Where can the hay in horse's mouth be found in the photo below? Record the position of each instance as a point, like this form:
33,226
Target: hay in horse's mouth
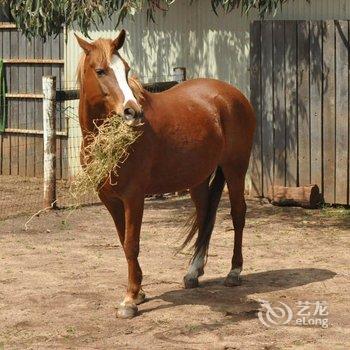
105,151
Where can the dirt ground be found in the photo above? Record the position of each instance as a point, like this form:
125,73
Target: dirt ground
24,196
61,281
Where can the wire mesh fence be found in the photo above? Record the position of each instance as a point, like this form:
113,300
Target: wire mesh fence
21,156
22,152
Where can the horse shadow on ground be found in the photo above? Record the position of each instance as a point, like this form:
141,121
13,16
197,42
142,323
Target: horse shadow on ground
234,302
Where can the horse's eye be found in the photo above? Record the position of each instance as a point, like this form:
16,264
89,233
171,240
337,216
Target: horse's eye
100,72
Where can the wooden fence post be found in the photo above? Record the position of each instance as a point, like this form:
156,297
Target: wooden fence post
49,129
179,74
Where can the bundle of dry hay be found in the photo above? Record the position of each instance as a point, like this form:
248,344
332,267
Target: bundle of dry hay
106,150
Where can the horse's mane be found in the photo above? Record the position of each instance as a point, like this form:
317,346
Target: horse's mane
104,46
136,88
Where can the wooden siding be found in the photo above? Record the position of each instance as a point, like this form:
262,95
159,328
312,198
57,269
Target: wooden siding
300,91
21,151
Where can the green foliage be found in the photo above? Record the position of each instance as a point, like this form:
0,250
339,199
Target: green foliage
46,17
264,7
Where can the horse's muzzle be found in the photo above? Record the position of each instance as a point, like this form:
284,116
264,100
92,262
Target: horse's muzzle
132,118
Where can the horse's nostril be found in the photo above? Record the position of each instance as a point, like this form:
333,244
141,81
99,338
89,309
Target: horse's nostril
129,112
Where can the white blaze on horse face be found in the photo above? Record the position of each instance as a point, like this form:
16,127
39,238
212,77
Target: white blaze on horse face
119,70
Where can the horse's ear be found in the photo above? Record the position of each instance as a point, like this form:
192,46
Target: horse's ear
86,46
119,41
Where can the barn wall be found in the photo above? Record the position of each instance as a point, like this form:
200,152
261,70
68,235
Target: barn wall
187,36
300,92
194,37
25,62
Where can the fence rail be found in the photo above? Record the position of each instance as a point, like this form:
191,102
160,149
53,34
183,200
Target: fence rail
68,95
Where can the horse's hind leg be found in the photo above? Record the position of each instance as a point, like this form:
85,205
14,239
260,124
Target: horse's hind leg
235,183
200,197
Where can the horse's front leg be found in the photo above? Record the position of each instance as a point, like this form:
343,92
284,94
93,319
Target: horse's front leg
133,219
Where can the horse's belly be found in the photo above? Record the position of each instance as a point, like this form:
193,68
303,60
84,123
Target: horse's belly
173,180
184,163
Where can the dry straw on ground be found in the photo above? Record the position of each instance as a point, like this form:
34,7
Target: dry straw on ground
104,154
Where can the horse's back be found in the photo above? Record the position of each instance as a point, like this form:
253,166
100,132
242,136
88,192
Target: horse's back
205,87
216,95
204,103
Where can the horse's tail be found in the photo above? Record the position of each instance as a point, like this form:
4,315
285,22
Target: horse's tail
202,242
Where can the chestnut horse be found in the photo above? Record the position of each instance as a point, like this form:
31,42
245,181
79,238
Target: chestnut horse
195,129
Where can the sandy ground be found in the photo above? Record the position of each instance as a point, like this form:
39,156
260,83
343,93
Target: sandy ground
61,280
24,196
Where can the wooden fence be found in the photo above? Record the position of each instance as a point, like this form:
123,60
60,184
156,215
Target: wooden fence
21,145
300,90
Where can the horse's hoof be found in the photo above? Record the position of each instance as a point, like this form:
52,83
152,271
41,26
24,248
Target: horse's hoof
190,282
233,280
127,311
141,297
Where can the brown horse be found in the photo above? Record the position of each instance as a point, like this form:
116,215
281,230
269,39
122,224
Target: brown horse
189,132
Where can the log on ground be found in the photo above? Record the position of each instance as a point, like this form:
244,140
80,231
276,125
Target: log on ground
303,196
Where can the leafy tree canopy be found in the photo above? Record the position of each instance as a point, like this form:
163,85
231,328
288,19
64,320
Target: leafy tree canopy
46,17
